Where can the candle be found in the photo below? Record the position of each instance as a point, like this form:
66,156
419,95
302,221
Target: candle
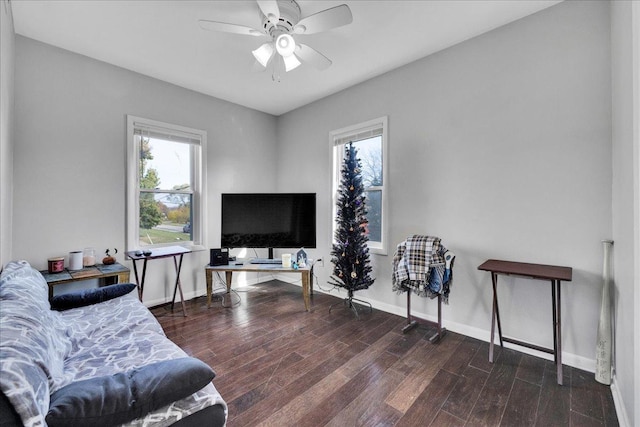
75,260
286,260
88,257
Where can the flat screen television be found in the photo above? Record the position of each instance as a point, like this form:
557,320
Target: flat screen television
268,220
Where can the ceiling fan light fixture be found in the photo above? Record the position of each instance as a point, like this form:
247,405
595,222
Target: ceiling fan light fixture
263,54
291,62
285,45
281,19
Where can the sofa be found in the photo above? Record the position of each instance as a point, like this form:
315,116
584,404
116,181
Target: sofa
94,358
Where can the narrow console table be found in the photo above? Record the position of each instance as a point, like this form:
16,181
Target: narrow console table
176,252
552,273
246,267
118,273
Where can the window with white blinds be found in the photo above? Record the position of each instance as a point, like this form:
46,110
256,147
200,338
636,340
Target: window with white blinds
166,176
370,140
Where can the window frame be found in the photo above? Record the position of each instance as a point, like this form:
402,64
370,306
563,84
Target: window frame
362,131
198,156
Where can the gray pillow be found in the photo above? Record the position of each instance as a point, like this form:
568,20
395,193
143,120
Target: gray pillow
119,398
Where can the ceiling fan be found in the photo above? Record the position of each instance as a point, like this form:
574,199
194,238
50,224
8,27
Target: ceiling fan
281,19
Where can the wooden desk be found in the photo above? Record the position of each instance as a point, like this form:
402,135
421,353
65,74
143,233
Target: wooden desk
555,275
100,271
177,252
246,267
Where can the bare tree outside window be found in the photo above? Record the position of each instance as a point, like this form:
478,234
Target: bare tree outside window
370,154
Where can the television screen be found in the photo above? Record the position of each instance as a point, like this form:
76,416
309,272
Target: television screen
268,220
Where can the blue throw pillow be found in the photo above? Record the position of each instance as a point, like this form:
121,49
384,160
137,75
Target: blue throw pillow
120,398
8,415
90,296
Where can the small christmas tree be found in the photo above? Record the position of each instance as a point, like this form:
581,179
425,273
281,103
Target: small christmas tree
350,254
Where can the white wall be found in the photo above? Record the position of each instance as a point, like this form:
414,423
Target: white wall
7,52
626,195
501,146
69,162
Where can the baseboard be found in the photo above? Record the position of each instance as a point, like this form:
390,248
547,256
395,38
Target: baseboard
470,331
623,417
569,359
477,333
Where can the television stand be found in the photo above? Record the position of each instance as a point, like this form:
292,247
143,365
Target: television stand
305,272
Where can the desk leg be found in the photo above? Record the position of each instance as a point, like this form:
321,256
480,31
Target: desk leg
144,273
554,308
178,285
311,283
135,273
208,274
557,328
495,315
305,289
228,275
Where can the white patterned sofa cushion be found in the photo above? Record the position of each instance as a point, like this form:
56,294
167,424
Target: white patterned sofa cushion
33,344
42,351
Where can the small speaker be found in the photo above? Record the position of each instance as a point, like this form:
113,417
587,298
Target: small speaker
219,257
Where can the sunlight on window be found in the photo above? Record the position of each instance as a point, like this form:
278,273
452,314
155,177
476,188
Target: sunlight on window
165,170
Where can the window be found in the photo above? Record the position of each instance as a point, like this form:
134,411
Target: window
370,139
165,184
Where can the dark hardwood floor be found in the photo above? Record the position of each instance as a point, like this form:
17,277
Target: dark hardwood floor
277,365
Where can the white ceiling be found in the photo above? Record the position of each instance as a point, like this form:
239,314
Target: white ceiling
162,39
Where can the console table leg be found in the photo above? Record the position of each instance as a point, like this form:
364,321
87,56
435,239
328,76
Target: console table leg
144,274
135,273
305,290
554,312
495,288
228,276
208,275
493,318
178,286
559,329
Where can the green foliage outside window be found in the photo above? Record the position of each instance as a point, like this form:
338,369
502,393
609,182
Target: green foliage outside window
150,210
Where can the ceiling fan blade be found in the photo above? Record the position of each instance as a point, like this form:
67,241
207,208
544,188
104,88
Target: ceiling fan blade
229,28
270,9
311,56
325,20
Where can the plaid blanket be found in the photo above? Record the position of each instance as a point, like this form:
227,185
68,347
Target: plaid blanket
419,266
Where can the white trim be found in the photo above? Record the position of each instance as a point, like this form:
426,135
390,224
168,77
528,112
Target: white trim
635,72
198,141
621,413
340,137
569,359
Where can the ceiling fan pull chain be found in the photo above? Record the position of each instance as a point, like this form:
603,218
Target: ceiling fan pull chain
278,68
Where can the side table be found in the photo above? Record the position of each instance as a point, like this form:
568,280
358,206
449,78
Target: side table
117,272
177,252
554,274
